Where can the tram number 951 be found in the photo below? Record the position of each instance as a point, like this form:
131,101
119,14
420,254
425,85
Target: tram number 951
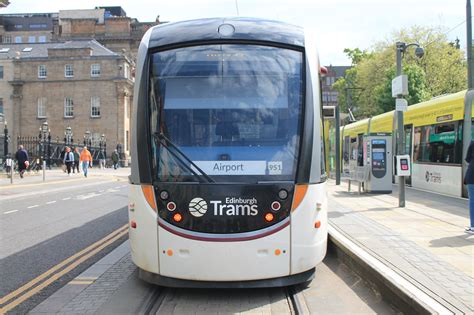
275,168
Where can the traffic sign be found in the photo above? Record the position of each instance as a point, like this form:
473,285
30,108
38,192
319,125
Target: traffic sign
400,85
401,105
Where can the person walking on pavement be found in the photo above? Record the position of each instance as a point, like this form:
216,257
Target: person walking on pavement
115,159
86,159
22,158
76,160
469,181
68,160
101,159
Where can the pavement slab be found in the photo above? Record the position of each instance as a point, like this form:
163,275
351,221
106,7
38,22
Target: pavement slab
425,240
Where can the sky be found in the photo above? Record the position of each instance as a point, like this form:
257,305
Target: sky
336,24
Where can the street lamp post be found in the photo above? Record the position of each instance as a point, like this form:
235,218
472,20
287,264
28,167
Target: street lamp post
87,138
44,131
68,136
49,149
103,156
419,52
5,139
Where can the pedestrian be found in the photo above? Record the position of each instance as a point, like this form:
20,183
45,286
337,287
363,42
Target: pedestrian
102,159
115,159
76,160
22,159
469,181
86,159
68,160
8,165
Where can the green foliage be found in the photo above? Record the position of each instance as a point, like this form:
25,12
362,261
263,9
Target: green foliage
443,69
356,55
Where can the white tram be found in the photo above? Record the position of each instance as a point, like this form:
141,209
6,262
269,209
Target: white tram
228,179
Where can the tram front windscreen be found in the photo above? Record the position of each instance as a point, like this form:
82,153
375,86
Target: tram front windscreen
233,112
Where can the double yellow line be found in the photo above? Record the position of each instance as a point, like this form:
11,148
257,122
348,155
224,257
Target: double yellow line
42,281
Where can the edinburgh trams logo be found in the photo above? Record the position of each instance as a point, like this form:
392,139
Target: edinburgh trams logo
230,206
198,207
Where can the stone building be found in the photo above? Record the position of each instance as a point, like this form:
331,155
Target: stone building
108,25
26,28
79,84
330,96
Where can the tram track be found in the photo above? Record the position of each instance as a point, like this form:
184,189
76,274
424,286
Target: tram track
284,300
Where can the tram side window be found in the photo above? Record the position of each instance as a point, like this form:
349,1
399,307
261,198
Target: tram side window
437,144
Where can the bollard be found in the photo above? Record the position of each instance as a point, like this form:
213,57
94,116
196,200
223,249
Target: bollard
44,170
11,172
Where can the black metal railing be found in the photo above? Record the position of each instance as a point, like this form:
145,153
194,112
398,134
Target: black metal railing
52,151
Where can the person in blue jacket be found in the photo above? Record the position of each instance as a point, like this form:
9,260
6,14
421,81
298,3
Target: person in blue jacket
469,181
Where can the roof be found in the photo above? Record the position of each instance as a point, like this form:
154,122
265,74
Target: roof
244,29
340,71
40,50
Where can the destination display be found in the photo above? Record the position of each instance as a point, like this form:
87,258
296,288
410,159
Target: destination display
240,167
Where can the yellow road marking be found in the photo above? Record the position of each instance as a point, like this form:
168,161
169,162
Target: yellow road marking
58,266
58,275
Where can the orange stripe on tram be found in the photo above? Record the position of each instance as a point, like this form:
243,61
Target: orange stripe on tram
149,194
300,192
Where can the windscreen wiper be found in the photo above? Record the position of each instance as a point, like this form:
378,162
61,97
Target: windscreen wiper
167,143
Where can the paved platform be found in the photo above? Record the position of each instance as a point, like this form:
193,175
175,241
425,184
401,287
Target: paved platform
424,242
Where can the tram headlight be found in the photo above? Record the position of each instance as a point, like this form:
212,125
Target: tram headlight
282,194
177,217
164,195
269,217
276,206
171,206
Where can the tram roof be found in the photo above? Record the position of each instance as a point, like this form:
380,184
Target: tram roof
245,29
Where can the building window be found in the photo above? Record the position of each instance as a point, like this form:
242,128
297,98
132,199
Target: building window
68,71
7,39
31,39
18,39
18,26
42,39
1,72
95,106
68,107
42,73
41,107
1,107
95,70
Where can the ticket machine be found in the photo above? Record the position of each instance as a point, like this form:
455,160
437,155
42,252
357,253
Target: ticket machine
378,162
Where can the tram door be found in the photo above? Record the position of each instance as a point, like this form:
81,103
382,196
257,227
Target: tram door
408,148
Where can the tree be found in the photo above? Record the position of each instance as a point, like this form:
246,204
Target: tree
443,69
